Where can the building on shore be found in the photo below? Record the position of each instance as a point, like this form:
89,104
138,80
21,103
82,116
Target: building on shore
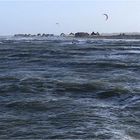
62,34
81,34
95,34
71,34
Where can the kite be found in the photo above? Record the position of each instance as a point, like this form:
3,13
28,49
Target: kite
106,16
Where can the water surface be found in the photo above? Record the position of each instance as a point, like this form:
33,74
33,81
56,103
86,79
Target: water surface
59,88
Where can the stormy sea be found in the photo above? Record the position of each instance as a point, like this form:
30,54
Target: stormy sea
69,88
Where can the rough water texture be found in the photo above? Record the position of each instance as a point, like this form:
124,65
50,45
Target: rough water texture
63,88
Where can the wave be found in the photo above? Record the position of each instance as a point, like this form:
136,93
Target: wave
50,83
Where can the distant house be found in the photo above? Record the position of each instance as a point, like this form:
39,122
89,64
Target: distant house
19,35
97,33
93,33
62,34
122,34
81,34
22,35
38,34
50,34
71,34
46,35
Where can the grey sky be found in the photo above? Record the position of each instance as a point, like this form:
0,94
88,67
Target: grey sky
34,16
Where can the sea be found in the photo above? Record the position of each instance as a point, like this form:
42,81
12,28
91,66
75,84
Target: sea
69,88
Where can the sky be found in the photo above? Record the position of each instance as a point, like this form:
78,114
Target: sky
41,16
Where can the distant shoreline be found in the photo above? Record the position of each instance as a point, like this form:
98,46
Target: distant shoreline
85,35
116,37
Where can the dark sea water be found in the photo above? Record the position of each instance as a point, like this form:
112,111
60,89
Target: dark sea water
69,89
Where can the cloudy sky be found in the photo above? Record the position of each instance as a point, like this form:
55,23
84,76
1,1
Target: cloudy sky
41,16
